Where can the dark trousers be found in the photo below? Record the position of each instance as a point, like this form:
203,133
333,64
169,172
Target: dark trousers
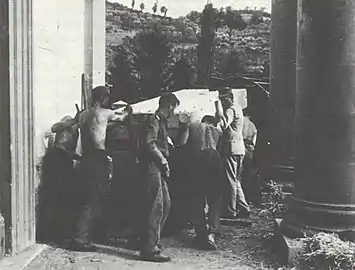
207,184
156,207
55,196
93,191
249,179
233,198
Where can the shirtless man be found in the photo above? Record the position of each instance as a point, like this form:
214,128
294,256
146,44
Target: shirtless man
94,166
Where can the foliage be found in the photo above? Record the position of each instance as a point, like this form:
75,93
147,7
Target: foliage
233,20
233,65
163,10
155,7
182,73
192,35
273,199
123,76
257,17
141,66
328,251
142,6
153,59
127,21
205,46
194,16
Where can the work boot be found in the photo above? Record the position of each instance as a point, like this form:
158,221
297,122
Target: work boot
206,243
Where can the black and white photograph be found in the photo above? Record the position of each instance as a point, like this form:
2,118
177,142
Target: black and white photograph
177,135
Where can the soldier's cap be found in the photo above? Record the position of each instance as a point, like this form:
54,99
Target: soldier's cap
101,91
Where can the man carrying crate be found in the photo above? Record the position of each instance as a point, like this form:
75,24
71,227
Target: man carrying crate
94,166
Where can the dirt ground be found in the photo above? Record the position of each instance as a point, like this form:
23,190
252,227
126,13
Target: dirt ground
239,247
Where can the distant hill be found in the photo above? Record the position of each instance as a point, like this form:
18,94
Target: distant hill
252,44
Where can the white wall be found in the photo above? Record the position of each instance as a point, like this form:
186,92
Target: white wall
58,62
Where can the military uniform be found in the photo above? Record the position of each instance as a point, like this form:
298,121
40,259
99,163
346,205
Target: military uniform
206,173
156,200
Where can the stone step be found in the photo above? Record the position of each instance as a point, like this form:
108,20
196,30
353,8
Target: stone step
288,251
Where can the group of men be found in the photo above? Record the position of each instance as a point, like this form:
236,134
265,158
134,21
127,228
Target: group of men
216,146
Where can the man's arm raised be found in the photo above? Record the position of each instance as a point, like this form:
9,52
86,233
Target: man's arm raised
120,117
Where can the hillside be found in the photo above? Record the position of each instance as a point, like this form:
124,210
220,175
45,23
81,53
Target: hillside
251,44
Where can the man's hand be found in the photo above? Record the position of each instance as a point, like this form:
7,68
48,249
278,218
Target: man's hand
218,106
166,170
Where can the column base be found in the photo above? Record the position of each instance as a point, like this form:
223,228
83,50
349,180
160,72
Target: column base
307,218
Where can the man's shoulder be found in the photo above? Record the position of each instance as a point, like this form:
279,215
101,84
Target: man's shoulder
151,120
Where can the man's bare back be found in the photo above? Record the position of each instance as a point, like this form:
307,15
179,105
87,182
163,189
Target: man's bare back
93,124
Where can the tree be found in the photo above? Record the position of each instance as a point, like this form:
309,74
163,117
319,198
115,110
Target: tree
123,76
133,4
163,10
153,58
155,7
194,16
127,20
205,47
256,17
234,21
182,73
142,6
233,65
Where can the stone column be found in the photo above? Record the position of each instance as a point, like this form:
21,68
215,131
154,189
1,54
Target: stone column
283,88
17,181
95,46
324,196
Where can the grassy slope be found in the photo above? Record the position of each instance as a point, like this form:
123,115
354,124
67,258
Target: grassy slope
252,43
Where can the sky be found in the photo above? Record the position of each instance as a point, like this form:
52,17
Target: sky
178,8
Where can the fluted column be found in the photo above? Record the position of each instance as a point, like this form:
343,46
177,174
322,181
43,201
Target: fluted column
324,196
283,87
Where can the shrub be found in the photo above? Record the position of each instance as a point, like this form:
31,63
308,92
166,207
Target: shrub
328,251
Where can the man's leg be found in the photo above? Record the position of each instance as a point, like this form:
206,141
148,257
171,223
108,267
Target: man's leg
166,203
214,202
214,190
247,175
243,206
198,216
153,216
230,166
94,188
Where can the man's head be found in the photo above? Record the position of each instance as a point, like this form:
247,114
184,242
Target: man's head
101,95
226,97
209,119
168,103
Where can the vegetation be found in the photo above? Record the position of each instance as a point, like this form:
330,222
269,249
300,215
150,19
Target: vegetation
182,73
216,42
328,251
205,50
273,199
